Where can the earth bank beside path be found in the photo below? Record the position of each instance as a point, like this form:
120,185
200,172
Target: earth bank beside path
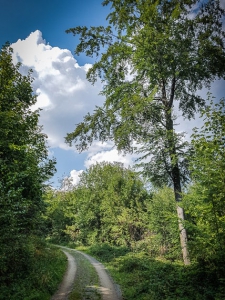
104,288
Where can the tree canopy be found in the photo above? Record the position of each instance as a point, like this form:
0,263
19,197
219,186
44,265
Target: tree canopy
151,54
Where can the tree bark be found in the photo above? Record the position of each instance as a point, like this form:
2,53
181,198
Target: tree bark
180,212
183,235
175,172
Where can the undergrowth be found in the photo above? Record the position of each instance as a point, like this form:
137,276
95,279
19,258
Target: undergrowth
41,277
144,278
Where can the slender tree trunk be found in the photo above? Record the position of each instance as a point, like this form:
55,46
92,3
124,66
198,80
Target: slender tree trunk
183,235
177,186
180,214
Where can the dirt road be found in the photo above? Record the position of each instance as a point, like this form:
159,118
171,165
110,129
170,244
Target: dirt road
66,285
107,288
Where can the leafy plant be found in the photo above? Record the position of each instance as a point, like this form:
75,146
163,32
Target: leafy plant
205,202
40,280
142,278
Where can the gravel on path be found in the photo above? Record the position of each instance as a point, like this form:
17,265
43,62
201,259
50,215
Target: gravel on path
108,289
66,286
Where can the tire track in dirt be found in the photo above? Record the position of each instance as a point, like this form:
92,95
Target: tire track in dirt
66,285
108,289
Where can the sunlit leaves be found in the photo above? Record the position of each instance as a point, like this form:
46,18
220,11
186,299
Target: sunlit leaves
205,201
108,205
150,50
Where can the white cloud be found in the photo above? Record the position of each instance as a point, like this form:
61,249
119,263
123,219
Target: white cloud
75,176
109,156
98,146
64,94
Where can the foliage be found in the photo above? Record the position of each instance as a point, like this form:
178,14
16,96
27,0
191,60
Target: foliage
58,215
142,278
107,205
151,54
24,169
111,204
105,251
205,202
162,223
46,268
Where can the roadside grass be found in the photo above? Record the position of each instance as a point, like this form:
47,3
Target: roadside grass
86,281
47,264
144,278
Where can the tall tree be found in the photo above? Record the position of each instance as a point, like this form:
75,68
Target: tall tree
24,165
151,54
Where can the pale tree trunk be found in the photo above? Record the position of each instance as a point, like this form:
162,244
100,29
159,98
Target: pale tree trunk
183,235
180,214
175,173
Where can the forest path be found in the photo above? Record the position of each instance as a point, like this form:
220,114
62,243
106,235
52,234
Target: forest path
66,286
106,289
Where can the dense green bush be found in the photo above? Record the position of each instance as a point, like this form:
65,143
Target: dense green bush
24,170
145,278
45,268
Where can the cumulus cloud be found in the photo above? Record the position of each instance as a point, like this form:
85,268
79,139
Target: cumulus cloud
65,96
109,156
101,156
75,176
63,93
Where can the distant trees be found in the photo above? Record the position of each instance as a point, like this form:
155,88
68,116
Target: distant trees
152,54
24,168
108,205
112,205
59,215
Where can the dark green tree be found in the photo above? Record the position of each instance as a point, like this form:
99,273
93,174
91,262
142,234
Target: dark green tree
24,166
59,214
151,54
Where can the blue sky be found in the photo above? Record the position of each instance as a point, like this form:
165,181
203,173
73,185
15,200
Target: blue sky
36,30
18,18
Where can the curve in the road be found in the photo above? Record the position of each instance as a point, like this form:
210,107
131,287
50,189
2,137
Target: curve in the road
66,286
107,288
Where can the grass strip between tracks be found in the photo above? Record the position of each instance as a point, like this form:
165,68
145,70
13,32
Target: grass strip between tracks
86,281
